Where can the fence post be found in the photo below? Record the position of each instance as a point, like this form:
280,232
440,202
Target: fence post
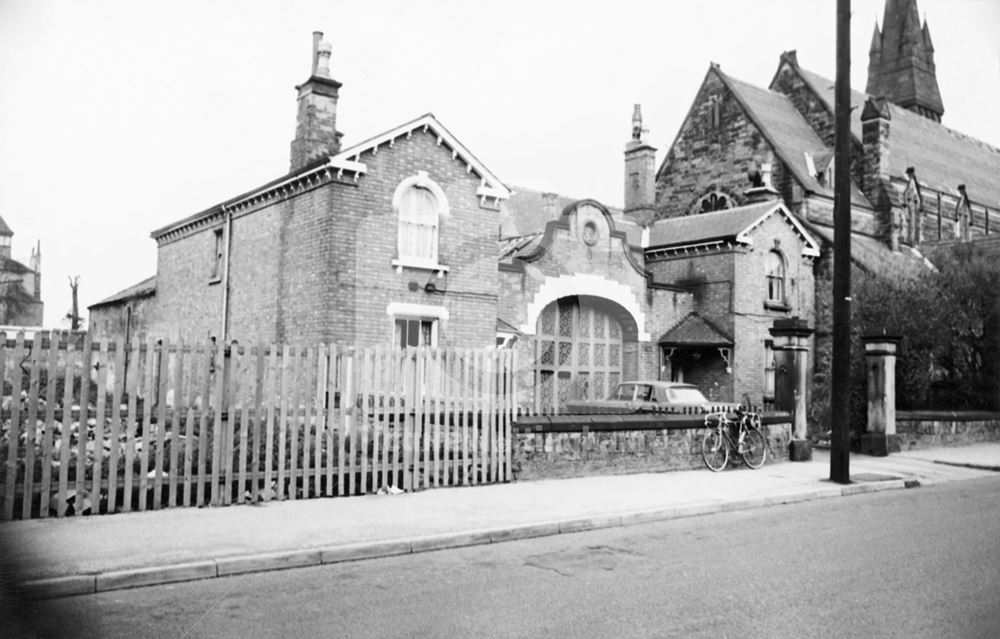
880,437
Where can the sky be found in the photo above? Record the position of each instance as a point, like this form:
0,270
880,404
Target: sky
118,117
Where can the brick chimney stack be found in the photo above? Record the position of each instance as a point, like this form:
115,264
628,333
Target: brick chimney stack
640,173
316,134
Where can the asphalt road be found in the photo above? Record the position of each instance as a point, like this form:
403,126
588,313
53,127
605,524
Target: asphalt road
915,563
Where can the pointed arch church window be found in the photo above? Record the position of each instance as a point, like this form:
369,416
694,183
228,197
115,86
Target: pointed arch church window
714,201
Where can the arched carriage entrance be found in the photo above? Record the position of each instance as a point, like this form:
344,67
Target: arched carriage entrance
580,350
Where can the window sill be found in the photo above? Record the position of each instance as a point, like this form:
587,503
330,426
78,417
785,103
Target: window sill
777,306
214,280
441,269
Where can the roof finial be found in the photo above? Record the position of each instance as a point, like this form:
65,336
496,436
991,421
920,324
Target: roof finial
637,129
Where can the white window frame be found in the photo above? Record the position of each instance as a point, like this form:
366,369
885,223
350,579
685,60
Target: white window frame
404,260
406,318
438,315
768,277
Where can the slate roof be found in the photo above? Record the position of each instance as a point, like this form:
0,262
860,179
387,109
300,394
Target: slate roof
695,330
873,256
9,265
523,213
523,218
789,133
989,245
511,247
144,288
943,158
706,227
504,326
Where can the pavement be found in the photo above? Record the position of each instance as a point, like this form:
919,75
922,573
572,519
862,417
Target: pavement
62,557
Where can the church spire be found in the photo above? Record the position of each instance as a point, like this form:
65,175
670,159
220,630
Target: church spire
901,61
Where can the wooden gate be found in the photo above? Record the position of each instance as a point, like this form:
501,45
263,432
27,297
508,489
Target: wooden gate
578,352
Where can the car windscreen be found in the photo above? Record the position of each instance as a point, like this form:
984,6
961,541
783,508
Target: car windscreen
638,392
686,396
623,391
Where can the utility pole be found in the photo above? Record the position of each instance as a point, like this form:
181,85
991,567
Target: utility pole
840,409
74,315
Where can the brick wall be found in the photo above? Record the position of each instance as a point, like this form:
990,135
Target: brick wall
110,321
752,317
567,255
467,245
317,266
189,304
730,291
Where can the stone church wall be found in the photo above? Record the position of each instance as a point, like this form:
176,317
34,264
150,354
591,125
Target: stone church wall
705,158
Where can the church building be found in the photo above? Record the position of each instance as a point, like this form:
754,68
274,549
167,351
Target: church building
20,285
408,239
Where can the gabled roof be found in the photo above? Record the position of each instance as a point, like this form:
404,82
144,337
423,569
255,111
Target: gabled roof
732,226
144,288
943,158
695,330
491,184
4,229
349,161
788,132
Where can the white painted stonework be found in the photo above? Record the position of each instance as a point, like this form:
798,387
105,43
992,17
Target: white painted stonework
554,288
402,309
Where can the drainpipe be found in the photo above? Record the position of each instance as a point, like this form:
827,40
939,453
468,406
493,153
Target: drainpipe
224,334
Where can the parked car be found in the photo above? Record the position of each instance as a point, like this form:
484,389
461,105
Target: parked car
647,396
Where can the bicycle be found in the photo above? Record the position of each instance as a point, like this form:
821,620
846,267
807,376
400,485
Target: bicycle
750,442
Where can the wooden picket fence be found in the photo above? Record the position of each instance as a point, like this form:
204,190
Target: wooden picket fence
97,427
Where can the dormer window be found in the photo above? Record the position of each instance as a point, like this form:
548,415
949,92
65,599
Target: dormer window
821,166
419,204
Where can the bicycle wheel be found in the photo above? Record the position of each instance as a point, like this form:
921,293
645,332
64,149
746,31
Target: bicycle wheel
754,449
714,450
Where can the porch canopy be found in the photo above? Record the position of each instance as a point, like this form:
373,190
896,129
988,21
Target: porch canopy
695,331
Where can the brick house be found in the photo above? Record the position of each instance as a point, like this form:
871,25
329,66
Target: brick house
406,238
390,240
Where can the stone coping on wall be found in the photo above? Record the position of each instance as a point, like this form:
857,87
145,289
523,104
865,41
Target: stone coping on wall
946,416
618,422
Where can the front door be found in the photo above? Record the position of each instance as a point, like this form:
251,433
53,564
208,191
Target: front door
578,352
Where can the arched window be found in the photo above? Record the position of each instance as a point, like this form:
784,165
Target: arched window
419,203
714,201
774,270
